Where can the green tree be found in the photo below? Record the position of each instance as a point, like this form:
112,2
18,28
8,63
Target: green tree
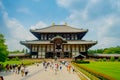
3,49
99,50
119,59
112,50
26,51
112,58
23,51
91,51
15,52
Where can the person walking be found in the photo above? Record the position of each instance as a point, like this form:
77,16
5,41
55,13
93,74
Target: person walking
7,67
18,68
69,68
26,71
73,69
46,66
22,70
60,67
55,68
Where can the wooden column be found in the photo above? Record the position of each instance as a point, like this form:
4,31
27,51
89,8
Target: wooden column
37,50
45,46
53,50
31,51
68,46
75,49
79,48
71,50
62,53
41,50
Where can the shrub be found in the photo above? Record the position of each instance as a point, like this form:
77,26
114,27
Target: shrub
7,59
112,58
82,62
104,59
1,67
119,59
15,59
99,60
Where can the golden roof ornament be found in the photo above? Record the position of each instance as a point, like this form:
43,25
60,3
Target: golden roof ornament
66,23
53,24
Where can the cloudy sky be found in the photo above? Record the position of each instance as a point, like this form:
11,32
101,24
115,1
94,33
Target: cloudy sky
101,17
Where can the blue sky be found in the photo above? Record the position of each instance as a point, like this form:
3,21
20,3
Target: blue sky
101,17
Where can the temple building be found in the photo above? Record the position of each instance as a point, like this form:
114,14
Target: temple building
62,41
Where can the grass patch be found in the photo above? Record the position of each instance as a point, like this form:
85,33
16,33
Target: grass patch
25,62
92,77
109,68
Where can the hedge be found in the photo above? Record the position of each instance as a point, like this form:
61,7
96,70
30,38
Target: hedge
95,73
82,62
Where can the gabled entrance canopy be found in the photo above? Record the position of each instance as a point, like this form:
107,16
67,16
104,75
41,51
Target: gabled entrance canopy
59,39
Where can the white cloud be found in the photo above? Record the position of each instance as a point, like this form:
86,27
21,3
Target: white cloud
39,25
99,16
36,0
108,42
64,3
16,30
116,4
24,10
17,33
104,25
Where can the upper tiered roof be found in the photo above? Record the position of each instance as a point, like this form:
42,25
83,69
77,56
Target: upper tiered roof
59,29
68,42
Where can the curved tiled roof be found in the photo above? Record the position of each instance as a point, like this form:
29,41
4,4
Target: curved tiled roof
58,29
68,42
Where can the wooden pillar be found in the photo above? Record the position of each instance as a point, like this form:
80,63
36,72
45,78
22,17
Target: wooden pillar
75,49
41,50
54,50
51,49
68,46
62,53
31,51
45,46
37,50
86,46
79,48
71,50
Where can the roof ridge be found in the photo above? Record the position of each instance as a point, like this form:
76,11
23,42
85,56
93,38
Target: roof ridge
59,28
77,28
43,28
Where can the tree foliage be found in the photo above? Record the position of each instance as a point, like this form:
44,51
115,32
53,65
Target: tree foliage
15,52
112,58
3,49
18,51
111,50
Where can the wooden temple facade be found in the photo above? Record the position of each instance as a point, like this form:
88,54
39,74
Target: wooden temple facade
62,41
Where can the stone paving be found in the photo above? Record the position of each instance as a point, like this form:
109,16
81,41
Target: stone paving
39,73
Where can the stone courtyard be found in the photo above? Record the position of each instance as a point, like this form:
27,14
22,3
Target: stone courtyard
39,73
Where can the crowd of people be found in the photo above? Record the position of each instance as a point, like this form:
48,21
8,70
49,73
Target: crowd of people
18,69
57,66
